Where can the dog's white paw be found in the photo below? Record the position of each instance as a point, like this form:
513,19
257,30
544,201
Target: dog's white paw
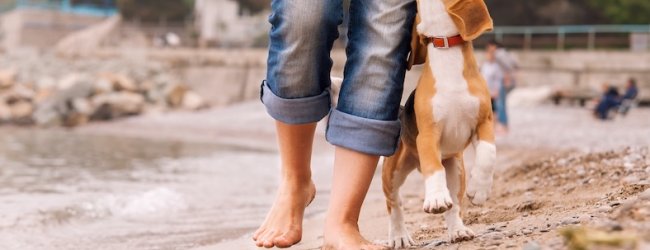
478,189
461,233
437,202
400,239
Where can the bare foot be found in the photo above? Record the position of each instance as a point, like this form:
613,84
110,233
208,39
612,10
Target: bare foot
347,237
283,224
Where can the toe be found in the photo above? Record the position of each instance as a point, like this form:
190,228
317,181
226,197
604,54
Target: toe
287,240
258,233
265,239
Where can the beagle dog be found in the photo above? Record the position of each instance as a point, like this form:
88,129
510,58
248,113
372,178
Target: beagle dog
449,110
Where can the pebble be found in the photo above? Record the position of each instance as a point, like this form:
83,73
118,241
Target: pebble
570,221
632,179
532,246
645,195
615,204
604,209
526,231
545,230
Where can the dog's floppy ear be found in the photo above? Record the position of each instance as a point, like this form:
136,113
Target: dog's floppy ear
471,17
418,53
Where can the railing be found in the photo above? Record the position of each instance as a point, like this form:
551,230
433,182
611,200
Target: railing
63,6
559,37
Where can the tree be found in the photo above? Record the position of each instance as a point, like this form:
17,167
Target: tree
254,6
624,11
156,10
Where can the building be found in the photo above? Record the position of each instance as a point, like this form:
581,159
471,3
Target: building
221,23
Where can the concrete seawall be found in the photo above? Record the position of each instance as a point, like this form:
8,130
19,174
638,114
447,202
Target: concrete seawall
231,76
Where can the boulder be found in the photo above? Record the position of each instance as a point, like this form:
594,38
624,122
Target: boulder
192,101
117,104
120,82
19,92
82,106
46,114
7,78
75,119
45,83
5,113
174,94
102,86
21,111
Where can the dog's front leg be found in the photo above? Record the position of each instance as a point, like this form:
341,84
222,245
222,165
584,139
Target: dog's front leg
480,183
437,198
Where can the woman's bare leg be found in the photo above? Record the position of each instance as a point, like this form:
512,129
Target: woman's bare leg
353,172
283,224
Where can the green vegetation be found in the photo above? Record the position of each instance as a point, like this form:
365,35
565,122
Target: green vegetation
624,11
156,10
519,12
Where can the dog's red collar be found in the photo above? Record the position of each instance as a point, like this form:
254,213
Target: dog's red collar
443,42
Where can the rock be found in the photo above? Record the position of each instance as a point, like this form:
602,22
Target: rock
102,86
118,104
174,94
75,86
5,113
47,115
632,179
18,92
42,95
82,106
532,246
21,111
45,83
570,221
192,101
75,119
604,209
645,195
120,82
7,78
526,231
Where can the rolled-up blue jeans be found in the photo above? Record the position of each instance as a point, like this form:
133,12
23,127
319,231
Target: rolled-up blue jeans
296,90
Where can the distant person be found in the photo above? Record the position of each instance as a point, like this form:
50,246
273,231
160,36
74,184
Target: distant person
610,100
499,71
631,93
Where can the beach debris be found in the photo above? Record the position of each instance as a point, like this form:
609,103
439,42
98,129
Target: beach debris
583,238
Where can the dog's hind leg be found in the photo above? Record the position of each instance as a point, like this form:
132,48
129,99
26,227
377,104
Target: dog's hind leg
455,171
395,171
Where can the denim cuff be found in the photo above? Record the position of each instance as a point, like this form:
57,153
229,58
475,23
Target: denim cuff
364,135
296,111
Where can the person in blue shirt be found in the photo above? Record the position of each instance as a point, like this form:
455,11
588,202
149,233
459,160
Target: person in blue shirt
631,93
610,100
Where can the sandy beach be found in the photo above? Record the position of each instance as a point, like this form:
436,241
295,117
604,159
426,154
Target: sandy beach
558,167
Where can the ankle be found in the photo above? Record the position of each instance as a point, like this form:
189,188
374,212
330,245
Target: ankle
341,224
299,182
